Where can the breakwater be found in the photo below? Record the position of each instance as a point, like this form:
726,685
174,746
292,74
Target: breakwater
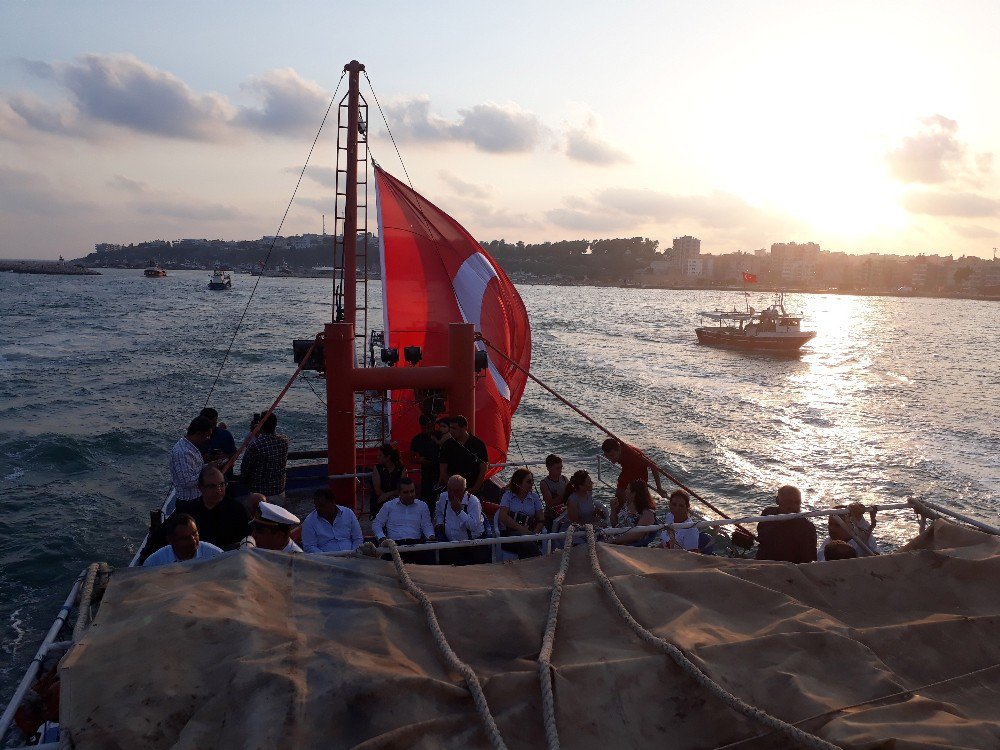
53,268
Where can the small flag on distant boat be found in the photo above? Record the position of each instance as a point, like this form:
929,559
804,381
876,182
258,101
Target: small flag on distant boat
750,278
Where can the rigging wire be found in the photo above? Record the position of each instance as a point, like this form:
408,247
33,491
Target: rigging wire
267,257
389,131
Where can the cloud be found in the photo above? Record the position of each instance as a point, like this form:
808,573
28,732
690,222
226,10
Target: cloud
937,203
586,220
325,176
323,205
974,232
291,104
29,112
500,129
935,155
584,144
30,193
465,189
123,91
489,127
121,182
615,209
188,210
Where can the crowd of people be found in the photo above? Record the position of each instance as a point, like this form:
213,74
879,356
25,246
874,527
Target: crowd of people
210,518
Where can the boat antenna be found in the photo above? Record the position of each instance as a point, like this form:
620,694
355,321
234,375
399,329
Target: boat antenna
274,240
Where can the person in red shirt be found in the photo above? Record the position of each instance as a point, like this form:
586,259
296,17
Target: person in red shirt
634,466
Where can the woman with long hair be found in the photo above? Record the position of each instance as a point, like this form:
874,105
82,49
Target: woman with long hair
580,505
638,510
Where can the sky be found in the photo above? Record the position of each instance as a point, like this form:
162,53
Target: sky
863,127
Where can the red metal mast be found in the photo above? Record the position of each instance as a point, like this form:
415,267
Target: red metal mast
343,375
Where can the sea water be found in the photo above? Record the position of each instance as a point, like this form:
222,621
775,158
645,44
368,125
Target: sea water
99,376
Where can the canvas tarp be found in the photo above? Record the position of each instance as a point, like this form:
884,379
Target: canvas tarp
267,650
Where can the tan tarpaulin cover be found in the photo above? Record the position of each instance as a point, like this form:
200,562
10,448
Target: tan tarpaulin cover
267,650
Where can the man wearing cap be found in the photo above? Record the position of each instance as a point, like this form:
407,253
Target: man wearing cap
183,543
272,529
186,460
331,527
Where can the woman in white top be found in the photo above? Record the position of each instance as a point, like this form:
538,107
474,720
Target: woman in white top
671,538
521,512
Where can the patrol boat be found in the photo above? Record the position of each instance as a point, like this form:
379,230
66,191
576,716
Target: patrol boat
595,646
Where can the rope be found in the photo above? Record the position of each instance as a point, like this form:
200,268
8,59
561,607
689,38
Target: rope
267,257
548,642
86,595
799,736
260,424
609,433
456,664
389,131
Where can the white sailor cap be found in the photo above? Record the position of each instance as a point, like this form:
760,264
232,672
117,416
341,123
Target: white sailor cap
275,515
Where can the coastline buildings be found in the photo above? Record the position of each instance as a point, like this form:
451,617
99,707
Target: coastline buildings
806,266
636,260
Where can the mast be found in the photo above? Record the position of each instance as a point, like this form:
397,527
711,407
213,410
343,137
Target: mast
353,68
344,376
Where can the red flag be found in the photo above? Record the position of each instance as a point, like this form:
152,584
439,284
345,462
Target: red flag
750,278
435,273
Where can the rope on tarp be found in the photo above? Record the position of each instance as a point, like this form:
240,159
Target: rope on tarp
468,674
548,642
799,736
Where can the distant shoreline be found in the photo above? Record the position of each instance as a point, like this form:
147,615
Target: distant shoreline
69,269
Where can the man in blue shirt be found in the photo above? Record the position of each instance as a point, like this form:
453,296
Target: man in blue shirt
331,527
184,544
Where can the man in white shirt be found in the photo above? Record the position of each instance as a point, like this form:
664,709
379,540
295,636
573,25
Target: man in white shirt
272,529
186,461
331,527
405,520
184,545
458,516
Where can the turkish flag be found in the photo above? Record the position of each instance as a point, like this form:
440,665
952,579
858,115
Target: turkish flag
750,278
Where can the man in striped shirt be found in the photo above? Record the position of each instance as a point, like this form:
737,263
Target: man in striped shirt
186,461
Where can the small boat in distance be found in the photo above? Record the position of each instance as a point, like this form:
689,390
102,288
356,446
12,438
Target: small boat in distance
770,330
153,271
220,280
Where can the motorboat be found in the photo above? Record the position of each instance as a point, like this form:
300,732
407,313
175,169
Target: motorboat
772,329
220,280
153,271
